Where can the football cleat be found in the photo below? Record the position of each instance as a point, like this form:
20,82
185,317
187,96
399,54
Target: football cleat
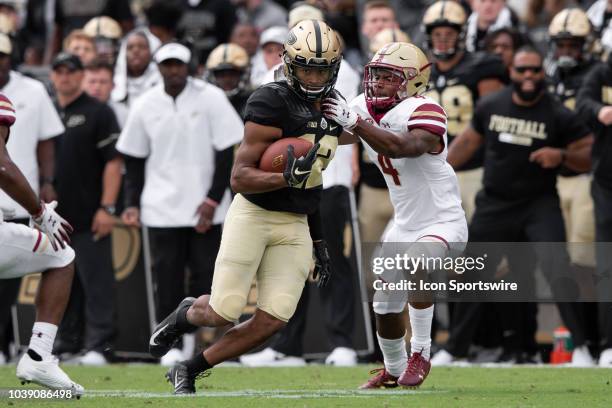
47,373
183,383
416,372
382,380
166,334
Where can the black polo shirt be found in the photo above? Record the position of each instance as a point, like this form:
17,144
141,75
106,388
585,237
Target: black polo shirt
81,154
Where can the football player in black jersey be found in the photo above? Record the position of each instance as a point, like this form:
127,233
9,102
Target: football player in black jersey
570,32
458,80
266,233
527,135
227,67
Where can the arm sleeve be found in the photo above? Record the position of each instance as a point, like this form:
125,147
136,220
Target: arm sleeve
315,224
265,107
108,133
221,178
134,140
589,96
133,182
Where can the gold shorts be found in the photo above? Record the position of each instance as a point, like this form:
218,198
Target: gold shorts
272,246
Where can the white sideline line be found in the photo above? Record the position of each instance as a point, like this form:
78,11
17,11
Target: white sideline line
275,394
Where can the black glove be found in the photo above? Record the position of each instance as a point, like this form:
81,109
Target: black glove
322,264
298,170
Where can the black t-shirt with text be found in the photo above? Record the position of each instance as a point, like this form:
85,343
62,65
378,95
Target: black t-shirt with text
81,154
456,90
512,132
277,105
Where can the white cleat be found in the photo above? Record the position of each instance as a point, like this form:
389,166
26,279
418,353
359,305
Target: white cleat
46,373
271,358
342,357
442,358
172,357
581,357
93,358
605,358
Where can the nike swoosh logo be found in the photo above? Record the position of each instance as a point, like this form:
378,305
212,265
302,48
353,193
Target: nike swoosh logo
332,128
154,335
177,384
299,172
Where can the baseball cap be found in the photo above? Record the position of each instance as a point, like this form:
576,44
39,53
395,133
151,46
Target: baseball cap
71,61
173,51
276,34
5,44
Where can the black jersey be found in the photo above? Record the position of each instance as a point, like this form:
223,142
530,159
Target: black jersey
276,104
565,84
512,132
457,91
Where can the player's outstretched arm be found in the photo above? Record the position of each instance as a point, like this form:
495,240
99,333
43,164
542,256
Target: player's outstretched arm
413,143
463,147
13,182
246,175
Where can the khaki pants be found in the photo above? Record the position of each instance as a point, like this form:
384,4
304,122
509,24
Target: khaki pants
470,183
375,212
577,208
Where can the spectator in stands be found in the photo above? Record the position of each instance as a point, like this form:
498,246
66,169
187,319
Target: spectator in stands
135,71
261,13
88,178
31,147
163,17
206,24
246,36
178,174
73,14
81,45
487,16
377,15
270,50
98,83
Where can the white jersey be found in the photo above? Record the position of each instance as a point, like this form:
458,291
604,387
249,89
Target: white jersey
423,190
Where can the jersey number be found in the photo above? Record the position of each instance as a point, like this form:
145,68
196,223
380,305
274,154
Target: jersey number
457,102
387,168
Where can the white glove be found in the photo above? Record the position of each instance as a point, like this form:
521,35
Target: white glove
53,225
336,109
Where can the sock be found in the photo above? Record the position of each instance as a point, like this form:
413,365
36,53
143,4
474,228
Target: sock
420,322
182,323
394,354
43,337
197,364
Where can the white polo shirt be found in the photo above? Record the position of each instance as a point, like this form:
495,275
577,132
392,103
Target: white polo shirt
37,120
179,138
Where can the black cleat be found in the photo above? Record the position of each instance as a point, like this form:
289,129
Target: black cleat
166,333
182,382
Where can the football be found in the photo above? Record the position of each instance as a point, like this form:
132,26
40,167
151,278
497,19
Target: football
274,158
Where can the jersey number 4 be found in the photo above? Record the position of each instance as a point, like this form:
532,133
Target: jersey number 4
387,168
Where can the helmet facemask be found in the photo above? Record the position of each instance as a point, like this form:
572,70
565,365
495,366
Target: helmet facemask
309,92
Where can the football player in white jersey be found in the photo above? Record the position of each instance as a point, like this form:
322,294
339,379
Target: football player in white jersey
26,250
405,135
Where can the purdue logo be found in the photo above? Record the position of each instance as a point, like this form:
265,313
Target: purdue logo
291,38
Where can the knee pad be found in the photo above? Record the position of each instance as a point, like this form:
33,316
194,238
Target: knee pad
282,307
382,308
229,306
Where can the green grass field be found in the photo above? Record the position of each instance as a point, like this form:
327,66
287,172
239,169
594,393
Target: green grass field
318,386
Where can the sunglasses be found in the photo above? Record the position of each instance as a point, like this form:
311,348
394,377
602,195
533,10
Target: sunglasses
534,69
